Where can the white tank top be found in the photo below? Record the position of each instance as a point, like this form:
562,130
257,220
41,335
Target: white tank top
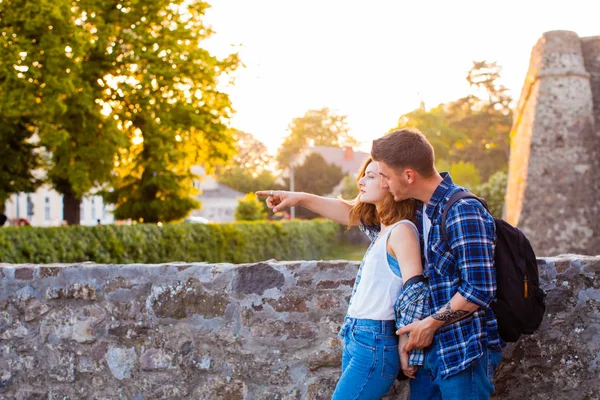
378,287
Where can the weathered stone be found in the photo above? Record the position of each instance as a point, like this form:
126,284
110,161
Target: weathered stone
83,331
5,375
327,302
289,303
85,364
259,347
187,299
121,361
324,359
76,291
35,309
62,366
327,284
153,359
257,278
32,395
20,331
24,273
117,283
46,272
555,148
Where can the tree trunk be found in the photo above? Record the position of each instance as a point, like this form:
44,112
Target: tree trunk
72,209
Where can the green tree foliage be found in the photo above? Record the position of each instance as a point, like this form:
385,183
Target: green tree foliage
250,208
316,175
349,188
248,171
53,87
124,95
163,90
494,191
471,129
317,127
18,159
465,174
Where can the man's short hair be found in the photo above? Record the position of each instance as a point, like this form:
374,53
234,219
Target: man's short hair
405,148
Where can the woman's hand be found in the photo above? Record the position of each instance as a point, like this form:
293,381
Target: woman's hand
278,200
409,370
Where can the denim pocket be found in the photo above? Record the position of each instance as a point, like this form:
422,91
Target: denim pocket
364,339
391,363
493,361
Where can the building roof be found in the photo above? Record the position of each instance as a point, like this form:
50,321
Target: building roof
221,191
345,157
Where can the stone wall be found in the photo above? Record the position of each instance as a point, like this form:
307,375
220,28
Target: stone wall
553,191
257,331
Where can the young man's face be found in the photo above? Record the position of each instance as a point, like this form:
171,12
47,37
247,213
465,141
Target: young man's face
393,181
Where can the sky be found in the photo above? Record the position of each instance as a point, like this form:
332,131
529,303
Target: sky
374,60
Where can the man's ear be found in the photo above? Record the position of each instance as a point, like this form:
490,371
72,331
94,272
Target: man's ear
410,175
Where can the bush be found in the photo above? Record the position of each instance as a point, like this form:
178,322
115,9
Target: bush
239,242
493,191
249,209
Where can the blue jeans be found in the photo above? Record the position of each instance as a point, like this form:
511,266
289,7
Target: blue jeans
474,383
370,361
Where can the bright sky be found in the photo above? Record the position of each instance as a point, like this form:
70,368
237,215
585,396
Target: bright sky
374,60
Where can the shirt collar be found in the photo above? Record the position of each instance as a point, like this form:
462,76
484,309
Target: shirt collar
439,194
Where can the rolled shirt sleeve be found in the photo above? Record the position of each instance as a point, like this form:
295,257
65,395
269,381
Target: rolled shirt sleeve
413,305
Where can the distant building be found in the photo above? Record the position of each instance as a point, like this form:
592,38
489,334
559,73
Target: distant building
44,207
218,201
345,157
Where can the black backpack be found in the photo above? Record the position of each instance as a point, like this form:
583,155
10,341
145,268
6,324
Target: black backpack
520,302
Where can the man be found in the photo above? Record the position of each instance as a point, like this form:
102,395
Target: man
461,340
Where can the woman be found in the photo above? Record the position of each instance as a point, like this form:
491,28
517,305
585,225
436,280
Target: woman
389,291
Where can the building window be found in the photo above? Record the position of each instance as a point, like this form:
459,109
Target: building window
82,211
93,209
47,209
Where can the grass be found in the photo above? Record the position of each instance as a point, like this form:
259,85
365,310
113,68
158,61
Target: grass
345,251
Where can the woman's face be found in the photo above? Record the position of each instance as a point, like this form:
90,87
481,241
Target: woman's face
370,185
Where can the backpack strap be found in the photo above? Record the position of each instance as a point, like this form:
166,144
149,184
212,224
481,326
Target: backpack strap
453,199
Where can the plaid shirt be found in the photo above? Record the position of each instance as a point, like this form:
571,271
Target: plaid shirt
410,306
464,265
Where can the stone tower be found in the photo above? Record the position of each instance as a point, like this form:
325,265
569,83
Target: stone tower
553,192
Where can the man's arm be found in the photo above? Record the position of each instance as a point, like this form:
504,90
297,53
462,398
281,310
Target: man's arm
471,232
333,209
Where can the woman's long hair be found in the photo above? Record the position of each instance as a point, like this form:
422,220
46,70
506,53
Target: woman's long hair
390,212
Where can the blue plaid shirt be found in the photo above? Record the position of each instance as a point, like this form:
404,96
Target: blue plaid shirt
412,303
464,265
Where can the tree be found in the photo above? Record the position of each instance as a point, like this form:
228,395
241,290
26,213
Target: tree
18,159
470,129
249,209
315,176
163,91
318,127
50,48
349,189
248,171
494,191
241,180
126,97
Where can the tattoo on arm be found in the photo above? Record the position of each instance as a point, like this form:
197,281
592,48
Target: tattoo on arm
448,315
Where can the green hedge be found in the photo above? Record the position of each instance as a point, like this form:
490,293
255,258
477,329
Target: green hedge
239,242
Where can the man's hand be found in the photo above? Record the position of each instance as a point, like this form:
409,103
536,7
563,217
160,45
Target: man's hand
278,200
420,333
